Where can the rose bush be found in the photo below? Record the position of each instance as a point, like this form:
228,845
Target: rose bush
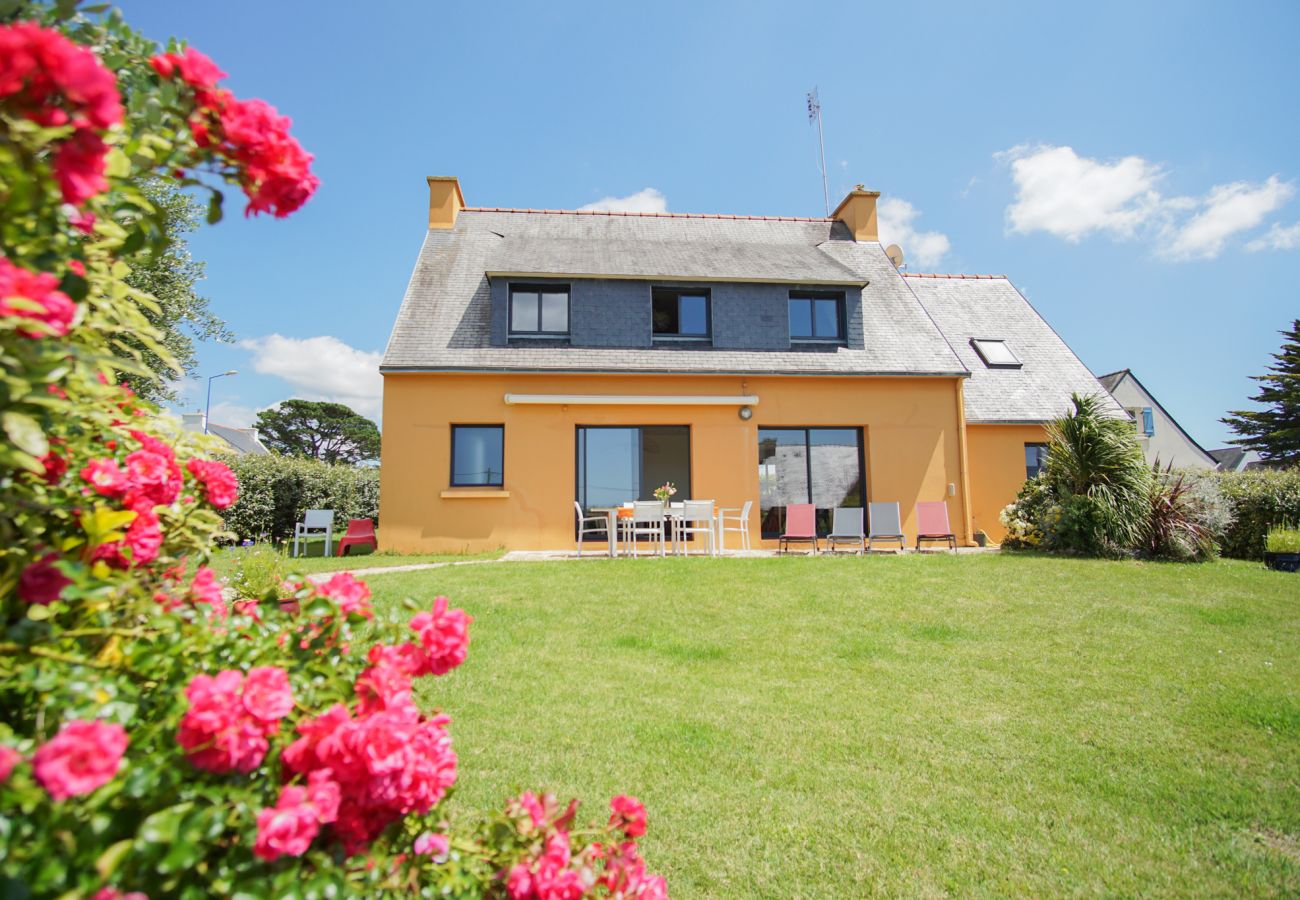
156,737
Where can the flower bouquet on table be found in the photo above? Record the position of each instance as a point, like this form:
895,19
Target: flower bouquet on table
665,492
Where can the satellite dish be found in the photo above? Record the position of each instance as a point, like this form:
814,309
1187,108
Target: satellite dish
895,254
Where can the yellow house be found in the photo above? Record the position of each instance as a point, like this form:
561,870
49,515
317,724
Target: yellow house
547,358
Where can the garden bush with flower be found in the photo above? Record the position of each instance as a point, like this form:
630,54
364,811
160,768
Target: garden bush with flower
158,738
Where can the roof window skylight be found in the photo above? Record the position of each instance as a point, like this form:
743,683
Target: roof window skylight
995,353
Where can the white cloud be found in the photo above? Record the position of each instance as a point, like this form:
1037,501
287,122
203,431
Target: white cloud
894,217
1226,210
1071,196
235,415
1279,237
647,200
321,368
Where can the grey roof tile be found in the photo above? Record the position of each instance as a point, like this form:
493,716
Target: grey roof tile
444,320
991,308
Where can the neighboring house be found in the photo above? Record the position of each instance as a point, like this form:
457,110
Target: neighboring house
239,440
543,357
1161,436
1237,459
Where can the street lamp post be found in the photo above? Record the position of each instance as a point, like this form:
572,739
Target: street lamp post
207,411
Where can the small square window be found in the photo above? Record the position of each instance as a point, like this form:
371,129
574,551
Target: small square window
1035,459
678,313
816,317
995,353
477,455
539,310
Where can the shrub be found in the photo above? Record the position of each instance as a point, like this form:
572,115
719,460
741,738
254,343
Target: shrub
154,735
1283,540
1095,456
275,491
1184,518
259,572
1260,499
1091,497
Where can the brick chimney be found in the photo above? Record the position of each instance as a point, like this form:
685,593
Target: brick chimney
858,212
445,201
193,421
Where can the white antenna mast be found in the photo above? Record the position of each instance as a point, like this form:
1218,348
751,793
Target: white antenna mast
815,114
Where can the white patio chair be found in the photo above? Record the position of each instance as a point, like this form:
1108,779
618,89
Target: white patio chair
647,520
315,522
846,528
696,517
601,524
736,521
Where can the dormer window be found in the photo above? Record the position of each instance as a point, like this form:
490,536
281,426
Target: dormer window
817,317
680,313
995,353
539,310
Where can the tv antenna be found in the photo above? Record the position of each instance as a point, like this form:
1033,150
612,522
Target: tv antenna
815,115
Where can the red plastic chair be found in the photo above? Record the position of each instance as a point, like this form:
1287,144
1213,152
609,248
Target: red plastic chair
932,523
800,525
361,532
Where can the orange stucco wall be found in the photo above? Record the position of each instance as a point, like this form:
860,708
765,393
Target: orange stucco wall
911,428
997,470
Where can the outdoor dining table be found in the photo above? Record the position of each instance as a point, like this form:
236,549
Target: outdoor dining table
611,516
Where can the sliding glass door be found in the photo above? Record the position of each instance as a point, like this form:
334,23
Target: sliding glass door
618,464
821,466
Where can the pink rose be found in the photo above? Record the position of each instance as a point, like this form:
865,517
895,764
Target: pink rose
217,732
444,637
267,695
435,845
324,794
351,595
105,476
112,893
628,814
221,484
289,828
81,758
9,757
205,588
42,582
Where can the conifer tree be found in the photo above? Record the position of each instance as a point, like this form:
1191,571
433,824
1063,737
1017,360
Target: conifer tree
1274,431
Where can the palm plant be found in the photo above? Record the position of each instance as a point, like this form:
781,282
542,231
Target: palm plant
1096,467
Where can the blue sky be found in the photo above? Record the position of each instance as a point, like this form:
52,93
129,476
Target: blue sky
1133,167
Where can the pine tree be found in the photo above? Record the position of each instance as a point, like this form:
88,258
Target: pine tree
1275,430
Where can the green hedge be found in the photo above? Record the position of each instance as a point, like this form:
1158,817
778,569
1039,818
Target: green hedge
1260,499
275,491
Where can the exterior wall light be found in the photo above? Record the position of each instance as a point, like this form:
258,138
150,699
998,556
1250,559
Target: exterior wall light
746,413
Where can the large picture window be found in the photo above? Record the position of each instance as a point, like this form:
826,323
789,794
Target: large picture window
477,455
616,465
821,466
539,310
816,317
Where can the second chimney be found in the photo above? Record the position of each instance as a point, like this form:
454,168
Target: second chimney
858,212
445,201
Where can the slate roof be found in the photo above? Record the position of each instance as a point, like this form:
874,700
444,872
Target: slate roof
1111,381
990,307
444,320
242,440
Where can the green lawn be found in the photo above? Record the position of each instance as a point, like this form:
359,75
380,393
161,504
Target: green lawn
313,558
973,725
